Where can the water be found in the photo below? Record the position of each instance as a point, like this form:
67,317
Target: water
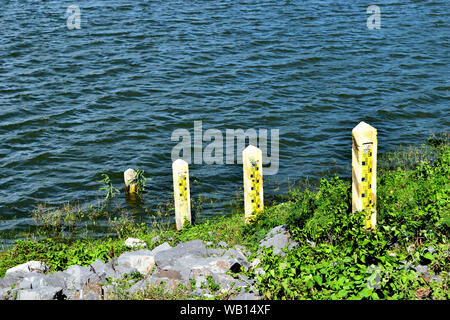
106,97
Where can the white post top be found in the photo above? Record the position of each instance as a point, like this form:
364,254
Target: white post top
364,133
251,149
128,176
179,163
362,127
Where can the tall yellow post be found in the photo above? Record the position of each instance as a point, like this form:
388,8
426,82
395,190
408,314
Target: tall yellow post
364,168
182,195
128,176
253,182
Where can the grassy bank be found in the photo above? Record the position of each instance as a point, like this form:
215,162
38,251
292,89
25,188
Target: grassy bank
336,258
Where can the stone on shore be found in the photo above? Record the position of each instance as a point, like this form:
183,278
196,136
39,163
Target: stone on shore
161,247
78,276
30,266
278,238
41,293
164,266
168,257
141,260
32,281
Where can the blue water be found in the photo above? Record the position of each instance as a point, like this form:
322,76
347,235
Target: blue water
106,97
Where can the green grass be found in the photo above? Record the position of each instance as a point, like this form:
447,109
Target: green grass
346,262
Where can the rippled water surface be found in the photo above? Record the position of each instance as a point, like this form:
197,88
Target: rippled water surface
78,103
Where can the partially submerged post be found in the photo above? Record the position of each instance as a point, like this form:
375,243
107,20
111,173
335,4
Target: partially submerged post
364,167
129,177
253,182
182,195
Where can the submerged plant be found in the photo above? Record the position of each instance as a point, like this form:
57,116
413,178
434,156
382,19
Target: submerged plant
140,180
111,191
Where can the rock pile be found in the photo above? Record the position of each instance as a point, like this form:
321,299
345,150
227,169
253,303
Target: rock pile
191,264
188,263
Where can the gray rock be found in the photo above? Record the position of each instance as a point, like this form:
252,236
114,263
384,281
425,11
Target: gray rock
167,258
222,244
278,238
436,277
99,268
41,293
311,243
167,284
30,266
142,260
255,263
161,247
200,281
141,285
374,280
199,292
187,265
195,248
171,265
215,252
406,265
292,245
78,276
58,279
116,271
260,272
92,291
4,293
71,294
246,279
277,230
33,281
421,269
200,274
12,279
238,256
226,282
156,239
242,249
111,269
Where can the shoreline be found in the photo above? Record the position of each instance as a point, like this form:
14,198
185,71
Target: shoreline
333,257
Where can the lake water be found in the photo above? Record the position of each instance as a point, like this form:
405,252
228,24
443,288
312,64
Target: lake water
75,103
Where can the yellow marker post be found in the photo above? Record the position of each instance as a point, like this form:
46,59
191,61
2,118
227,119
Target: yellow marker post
364,168
253,182
181,191
128,176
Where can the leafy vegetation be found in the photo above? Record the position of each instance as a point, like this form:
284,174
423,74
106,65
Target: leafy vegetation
140,180
338,259
111,191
